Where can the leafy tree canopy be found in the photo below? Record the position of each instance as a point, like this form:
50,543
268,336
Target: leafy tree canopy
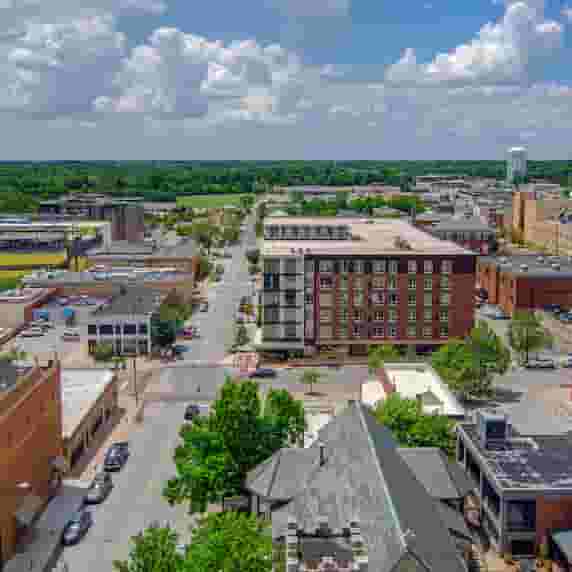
526,334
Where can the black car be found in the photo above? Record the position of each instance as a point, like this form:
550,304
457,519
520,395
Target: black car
191,412
76,527
99,489
116,456
263,372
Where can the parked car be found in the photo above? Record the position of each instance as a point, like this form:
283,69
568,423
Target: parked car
70,335
33,332
192,411
116,456
263,372
99,489
540,363
77,527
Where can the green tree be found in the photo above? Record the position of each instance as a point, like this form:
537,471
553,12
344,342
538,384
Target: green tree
103,352
310,377
205,234
218,451
377,355
12,355
230,542
526,334
153,550
253,255
413,428
342,199
241,337
286,414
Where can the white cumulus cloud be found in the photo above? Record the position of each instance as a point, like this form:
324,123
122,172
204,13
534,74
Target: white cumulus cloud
506,51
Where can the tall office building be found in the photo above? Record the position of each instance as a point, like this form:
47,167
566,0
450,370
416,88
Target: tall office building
516,163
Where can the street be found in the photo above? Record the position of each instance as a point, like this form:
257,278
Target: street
136,500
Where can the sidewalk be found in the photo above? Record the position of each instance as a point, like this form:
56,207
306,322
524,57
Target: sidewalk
40,550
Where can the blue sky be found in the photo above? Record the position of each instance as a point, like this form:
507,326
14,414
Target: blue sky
271,79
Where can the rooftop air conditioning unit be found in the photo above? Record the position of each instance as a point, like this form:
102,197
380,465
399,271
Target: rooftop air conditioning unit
556,266
524,266
540,260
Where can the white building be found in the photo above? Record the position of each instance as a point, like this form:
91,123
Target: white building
516,163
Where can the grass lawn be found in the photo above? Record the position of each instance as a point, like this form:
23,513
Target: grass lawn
209,201
31,258
10,279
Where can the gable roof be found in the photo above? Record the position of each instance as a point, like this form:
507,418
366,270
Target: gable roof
365,478
441,478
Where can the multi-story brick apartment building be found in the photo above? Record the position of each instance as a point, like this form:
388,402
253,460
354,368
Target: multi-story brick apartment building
31,447
345,283
526,281
523,481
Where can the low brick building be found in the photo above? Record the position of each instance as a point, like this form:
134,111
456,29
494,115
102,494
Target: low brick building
528,281
31,448
523,481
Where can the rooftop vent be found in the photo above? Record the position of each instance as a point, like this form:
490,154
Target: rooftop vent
540,260
555,266
524,266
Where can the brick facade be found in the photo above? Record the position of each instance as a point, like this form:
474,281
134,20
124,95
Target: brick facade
30,438
552,513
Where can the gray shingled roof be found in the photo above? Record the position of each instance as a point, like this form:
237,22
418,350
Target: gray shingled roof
442,479
284,474
365,478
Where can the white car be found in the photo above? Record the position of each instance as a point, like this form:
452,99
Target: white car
71,335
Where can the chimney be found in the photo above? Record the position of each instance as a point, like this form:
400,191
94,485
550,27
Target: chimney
322,454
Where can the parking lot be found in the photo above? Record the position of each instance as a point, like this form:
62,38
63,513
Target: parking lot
51,341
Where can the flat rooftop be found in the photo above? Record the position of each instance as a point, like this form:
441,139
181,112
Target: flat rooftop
135,300
414,379
81,388
137,274
369,236
527,463
537,265
122,247
52,225
462,224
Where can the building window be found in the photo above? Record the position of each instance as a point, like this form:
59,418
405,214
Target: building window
378,332
325,316
427,299
106,329
446,267
521,515
393,266
308,299
356,331
444,316
290,331
444,331
343,298
343,315
427,315
412,267
290,298
393,299
378,316
358,266
130,329
411,284
308,266
358,315
392,316
411,300
358,298
428,267
378,282
411,332
343,284
271,315
391,332
92,330
412,315
379,266
325,283
326,266
271,266
444,299
344,266
392,284
378,297
428,284
143,329
357,283
427,332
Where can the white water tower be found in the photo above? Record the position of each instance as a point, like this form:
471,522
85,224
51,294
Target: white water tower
516,163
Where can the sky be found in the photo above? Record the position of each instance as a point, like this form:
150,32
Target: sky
284,79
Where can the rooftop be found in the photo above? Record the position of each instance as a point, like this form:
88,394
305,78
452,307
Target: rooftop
527,462
364,478
418,379
131,300
139,275
462,224
369,236
122,247
81,388
536,265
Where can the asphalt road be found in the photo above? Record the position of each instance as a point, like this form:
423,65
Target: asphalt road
136,500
